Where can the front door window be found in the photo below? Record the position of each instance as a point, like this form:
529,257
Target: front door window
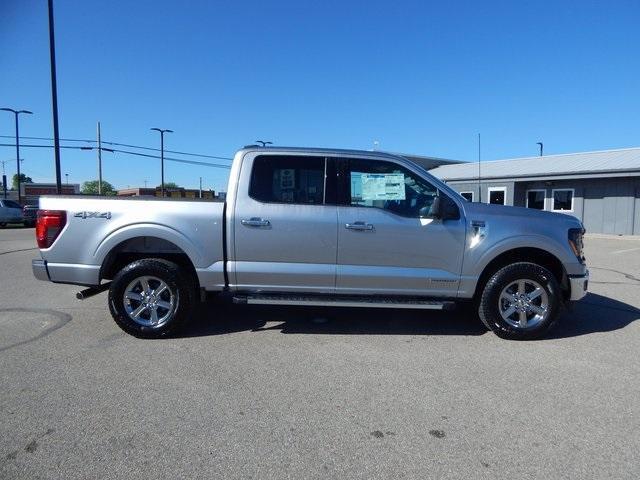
390,187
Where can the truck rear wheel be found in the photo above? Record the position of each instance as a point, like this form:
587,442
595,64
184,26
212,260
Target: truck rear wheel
151,298
520,301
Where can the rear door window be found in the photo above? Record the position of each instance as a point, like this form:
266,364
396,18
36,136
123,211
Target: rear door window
289,179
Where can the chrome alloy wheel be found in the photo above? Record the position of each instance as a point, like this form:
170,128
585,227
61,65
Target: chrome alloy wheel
149,301
523,304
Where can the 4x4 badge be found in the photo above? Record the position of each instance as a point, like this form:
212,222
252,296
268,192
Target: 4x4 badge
105,215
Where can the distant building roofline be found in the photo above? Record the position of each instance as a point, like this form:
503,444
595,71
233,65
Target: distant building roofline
599,163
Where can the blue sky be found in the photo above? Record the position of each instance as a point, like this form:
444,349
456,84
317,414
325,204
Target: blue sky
419,77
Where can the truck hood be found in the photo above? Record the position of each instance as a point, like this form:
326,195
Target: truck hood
484,211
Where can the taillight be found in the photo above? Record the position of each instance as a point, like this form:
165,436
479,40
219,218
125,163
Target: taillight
49,224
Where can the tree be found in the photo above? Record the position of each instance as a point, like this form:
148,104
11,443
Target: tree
23,179
169,185
91,188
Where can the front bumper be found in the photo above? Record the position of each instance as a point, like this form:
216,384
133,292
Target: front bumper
578,285
39,268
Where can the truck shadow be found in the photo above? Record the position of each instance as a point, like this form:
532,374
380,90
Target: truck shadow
593,314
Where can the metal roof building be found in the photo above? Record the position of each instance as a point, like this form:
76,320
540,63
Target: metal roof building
600,188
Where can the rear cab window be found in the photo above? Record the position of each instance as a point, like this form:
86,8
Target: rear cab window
291,179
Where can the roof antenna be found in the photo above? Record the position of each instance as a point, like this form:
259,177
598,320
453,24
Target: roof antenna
479,184
541,145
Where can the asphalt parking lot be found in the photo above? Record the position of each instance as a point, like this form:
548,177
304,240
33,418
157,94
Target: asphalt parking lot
317,393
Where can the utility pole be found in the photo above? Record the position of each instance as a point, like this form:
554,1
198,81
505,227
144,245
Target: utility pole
200,187
99,162
479,182
541,146
54,98
15,114
162,132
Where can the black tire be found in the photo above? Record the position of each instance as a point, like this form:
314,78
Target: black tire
489,307
182,289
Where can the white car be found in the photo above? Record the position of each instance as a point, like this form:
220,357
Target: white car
10,212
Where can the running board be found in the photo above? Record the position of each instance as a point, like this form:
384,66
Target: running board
329,301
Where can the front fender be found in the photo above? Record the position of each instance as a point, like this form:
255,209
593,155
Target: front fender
478,258
484,256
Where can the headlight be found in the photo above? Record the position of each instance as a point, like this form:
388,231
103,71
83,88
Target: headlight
576,242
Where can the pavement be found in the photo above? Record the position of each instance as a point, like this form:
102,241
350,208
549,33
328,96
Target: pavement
255,392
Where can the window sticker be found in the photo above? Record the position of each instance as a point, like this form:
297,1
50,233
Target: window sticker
382,186
287,178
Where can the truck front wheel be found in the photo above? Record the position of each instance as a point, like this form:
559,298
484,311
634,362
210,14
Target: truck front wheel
520,301
151,298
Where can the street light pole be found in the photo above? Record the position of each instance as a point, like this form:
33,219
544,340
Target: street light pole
54,98
162,132
16,113
541,146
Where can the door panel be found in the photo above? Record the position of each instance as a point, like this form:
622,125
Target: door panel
282,244
399,248
401,256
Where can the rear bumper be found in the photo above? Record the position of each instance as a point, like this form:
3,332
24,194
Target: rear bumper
73,274
578,285
39,268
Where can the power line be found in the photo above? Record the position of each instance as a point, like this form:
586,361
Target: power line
215,157
127,152
180,160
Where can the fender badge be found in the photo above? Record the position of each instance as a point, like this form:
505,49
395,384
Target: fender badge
84,215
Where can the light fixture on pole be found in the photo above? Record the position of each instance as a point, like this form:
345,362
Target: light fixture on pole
162,132
16,113
264,143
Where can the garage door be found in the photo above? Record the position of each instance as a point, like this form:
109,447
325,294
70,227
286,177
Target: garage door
609,207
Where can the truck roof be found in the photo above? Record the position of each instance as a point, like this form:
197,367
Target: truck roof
426,162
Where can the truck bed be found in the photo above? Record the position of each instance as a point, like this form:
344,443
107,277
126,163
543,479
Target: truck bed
98,226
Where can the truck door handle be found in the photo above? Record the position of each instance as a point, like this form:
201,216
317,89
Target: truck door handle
255,222
358,226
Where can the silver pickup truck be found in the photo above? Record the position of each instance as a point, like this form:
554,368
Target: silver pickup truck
316,227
